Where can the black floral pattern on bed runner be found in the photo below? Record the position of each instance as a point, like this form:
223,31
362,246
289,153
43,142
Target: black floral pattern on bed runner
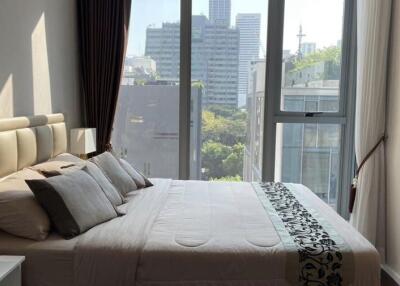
320,259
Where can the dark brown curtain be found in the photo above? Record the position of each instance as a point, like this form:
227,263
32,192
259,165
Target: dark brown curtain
103,30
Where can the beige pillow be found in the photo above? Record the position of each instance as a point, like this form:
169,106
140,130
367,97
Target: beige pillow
20,213
67,157
60,166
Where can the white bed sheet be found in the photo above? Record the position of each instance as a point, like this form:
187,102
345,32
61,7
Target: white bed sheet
183,233
214,233
47,263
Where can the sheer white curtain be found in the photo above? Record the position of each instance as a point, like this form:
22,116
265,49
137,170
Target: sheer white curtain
373,25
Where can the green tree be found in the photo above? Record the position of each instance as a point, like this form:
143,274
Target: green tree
330,54
223,136
236,178
229,129
198,84
233,163
213,154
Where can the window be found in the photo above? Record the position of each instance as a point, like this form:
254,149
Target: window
310,116
227,53
309,154
209,94
146,127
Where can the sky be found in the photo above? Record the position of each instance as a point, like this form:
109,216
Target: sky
321,20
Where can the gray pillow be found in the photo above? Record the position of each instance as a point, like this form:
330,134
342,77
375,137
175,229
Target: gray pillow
115,173
140,180
74,202
109,190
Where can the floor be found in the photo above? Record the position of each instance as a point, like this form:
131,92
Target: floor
387,281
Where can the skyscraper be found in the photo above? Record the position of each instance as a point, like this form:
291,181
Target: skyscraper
220,12
163,46
215,57
222,57
249,34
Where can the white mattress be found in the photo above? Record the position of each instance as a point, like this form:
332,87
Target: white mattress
220,234
212,232
48,263
191,233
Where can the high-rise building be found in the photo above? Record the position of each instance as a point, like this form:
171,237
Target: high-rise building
222,58
163,46
220,12
249,43
215,57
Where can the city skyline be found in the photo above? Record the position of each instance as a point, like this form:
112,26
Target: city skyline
144,14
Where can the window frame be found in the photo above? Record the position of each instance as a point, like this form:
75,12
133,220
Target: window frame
345,115
272,111
185,78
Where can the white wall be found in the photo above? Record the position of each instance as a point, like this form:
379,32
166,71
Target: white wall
393,150
39,59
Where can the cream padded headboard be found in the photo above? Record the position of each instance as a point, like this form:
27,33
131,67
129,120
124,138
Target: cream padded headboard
25,141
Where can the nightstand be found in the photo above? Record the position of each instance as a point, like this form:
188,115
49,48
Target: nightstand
10,270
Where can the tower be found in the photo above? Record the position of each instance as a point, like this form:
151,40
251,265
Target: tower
300,35
220,12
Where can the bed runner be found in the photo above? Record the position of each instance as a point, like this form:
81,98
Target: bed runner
317,250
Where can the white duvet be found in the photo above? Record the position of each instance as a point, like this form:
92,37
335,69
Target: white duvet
207,233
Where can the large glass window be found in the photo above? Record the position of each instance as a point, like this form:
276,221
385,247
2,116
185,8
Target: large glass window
309,111
146,127
309,155
312,54
252,117
228,69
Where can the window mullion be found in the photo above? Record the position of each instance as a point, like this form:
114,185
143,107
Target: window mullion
276,12
185,89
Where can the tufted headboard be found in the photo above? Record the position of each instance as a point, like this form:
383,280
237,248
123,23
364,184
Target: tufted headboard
26,141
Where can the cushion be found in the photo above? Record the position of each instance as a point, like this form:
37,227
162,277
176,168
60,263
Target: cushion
67,157
109,190
61,167
115,173
44,143
27,148
59,138
140,180
74,202
20,213
8,153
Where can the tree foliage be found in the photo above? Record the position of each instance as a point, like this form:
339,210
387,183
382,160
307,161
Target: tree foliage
236,178
224,125
223,132
329,54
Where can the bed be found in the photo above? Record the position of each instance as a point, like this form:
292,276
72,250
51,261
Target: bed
200,233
